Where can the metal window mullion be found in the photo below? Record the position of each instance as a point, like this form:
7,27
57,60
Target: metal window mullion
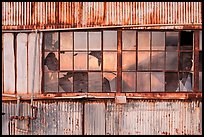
58,59
136,55
150,64
119,61
87,60
102,57
196,61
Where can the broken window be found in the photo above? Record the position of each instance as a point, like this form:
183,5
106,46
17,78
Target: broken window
149,61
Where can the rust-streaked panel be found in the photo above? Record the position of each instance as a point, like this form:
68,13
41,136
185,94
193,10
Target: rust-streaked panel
136,117
50,15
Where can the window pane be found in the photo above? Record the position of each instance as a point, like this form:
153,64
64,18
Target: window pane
171,81
143,60
157,61
186,63
109,81
80,81
51,62
51,82
95,40
109,61
66,82
110,40
95,82
143,81
128,81
171,40
186,40
200,41
80,40
66,60
144,40
158,40
80,61
171,60
200,81
186,81
95,60
66,40
129,40
157,81
129,60
51,41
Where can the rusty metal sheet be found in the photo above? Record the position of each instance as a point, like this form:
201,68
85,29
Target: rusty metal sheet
8,62
94,118
136,117
50,15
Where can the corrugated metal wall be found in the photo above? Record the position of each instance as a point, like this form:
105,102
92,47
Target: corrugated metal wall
149,117
30,15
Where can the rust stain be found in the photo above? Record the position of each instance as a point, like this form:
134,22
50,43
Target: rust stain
84,14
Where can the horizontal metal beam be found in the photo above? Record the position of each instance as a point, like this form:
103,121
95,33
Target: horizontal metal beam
103,27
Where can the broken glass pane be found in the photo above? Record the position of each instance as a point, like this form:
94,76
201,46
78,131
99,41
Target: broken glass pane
128,60
66,60
186,61
129,40
171,81
128,81
66,40
95,60
109,61
80,61
66,82
95,82
80,40
80,81
157,61
185,81
186,40
143,81
157,81
51,41
143,40
158,40
171,60
51,62
109,81
171,40
51,82
200,81
110,40
94,40
143,60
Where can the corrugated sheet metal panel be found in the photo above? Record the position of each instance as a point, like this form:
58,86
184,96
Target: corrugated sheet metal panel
30,15
28,63
136,117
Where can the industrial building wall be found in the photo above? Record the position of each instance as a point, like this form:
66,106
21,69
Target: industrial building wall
44,15
94,117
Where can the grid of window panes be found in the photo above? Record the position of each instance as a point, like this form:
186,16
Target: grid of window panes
82,66
157,61
86,61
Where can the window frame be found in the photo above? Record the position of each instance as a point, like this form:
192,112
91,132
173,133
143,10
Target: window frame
195,87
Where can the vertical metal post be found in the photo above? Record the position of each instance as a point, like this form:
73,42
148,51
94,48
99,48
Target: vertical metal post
196,61
119,61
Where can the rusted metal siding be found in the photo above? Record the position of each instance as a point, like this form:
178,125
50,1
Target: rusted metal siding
136,117
41,15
